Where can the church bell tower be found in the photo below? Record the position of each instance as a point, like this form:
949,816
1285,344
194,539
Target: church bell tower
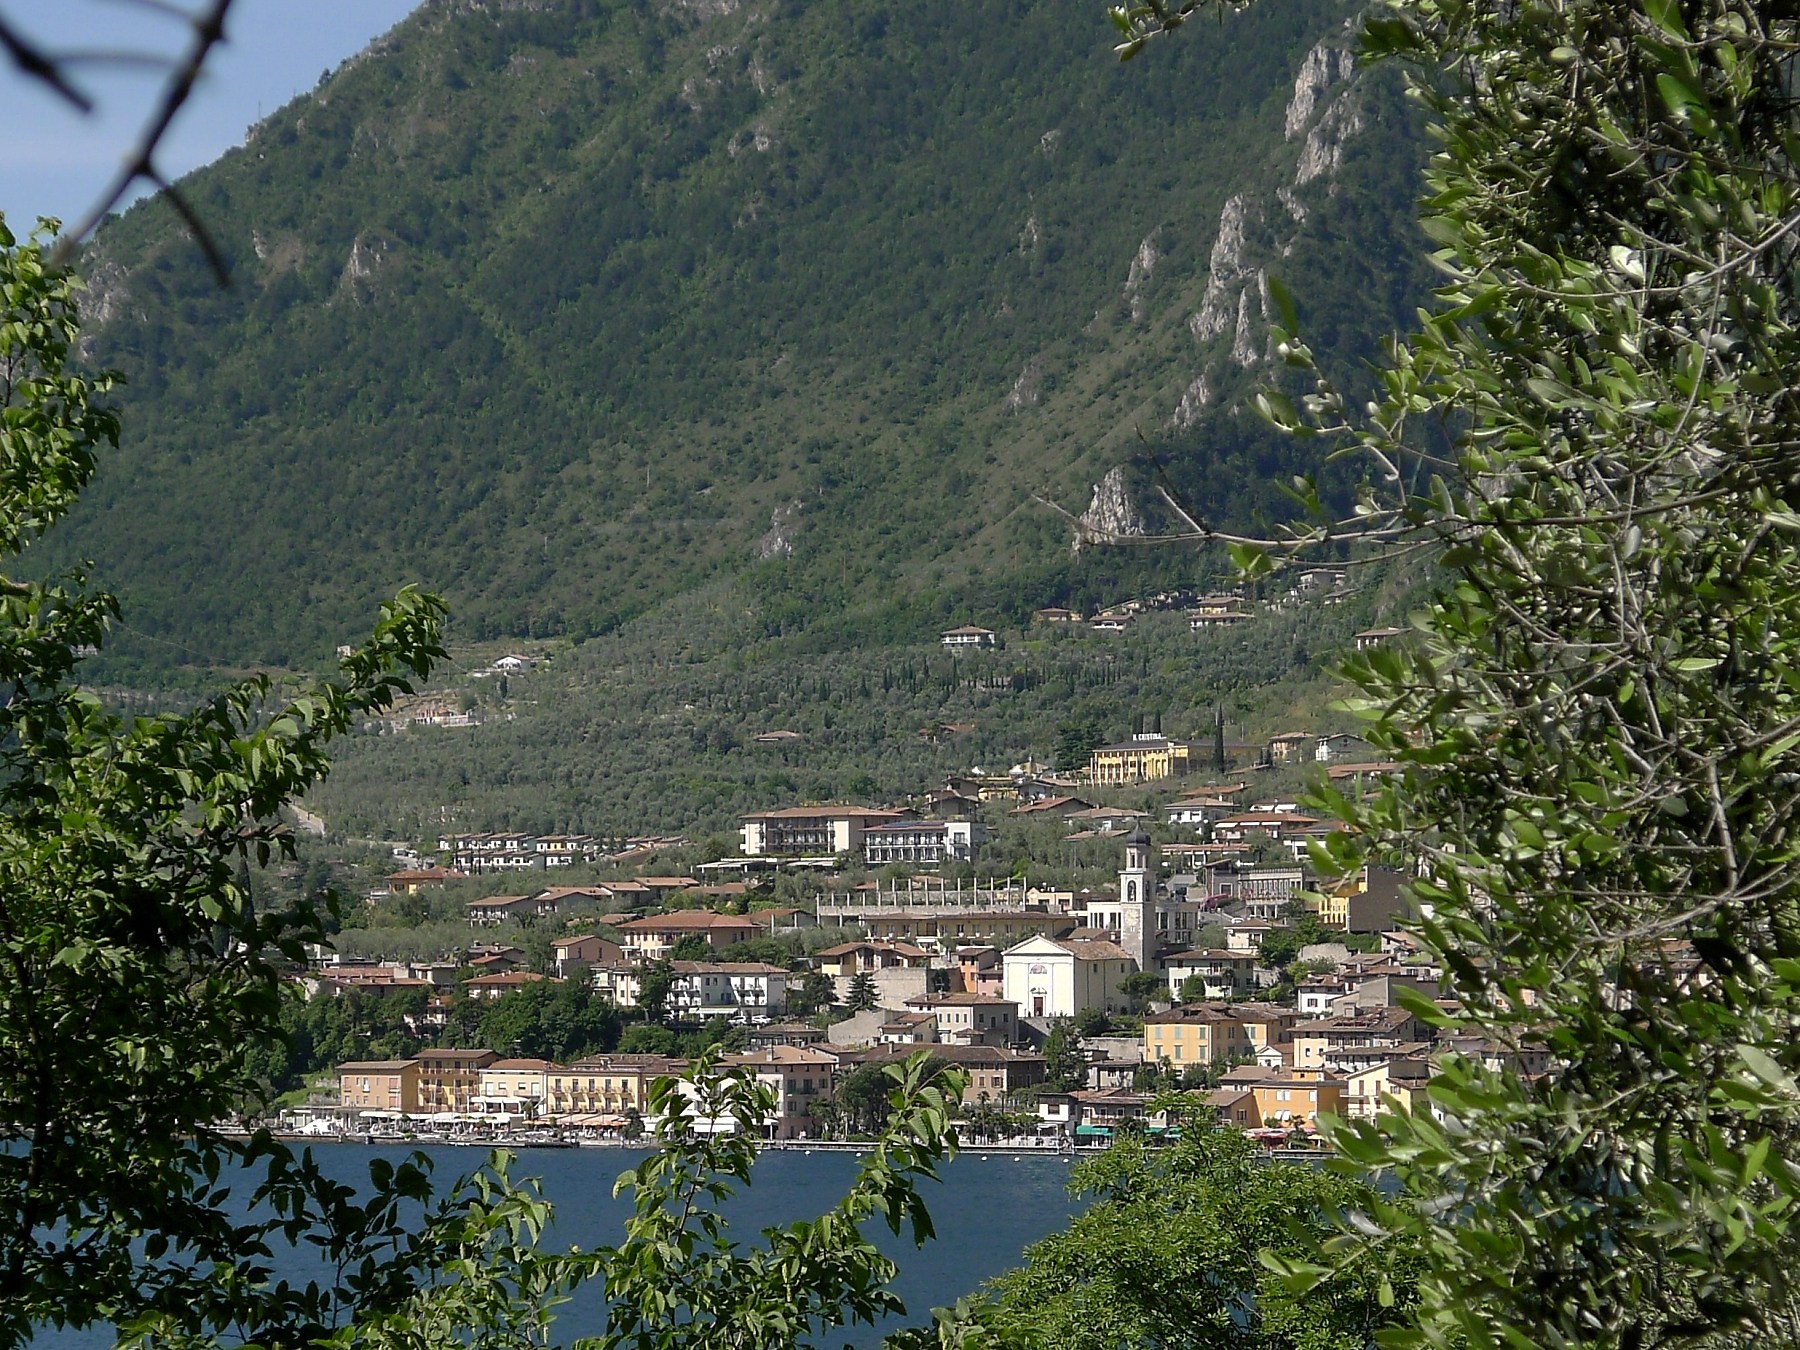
1137,902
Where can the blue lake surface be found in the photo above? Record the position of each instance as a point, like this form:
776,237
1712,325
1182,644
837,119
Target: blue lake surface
987,1208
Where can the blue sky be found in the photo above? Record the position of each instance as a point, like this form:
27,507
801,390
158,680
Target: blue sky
54,161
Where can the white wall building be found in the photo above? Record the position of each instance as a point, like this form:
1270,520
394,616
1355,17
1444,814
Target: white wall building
743,991
927,843
1051,978
970,1019
817,830
968,635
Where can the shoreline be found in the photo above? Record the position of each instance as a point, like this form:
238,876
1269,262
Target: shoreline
1058,1151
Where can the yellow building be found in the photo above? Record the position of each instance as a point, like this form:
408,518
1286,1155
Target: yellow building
450,1080
1395,1084
1198,1034
390,1085
1143,759
514,1086
1252,1097
607,1084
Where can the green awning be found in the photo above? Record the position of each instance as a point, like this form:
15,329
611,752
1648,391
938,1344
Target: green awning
1093,1131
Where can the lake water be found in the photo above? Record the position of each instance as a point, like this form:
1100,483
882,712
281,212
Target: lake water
987,1209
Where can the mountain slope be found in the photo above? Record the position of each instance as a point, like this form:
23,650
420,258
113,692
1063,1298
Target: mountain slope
565,308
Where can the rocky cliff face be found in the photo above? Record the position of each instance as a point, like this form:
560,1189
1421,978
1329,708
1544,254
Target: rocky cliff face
1111,514
1324,115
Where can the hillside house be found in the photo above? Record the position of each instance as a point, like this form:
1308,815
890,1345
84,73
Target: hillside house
1196,1033
1053,807
1197,811
1225,974
921,843
1288,747
1256,890
1340,745
611,1084
1372,900
854,958
412,880
514,1087
573,955
996,1073
380,1087
968,636
450,1080
908,1028
1200,623
1393,1083
1324,1043
653,937
739,991
496,909
1375,637
954,927
1293,1097
494,986
970,1019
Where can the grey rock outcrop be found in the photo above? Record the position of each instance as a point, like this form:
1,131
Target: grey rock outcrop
1143,264
1225,273
1111,514
779,541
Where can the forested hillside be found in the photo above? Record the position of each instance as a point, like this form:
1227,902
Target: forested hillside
566,309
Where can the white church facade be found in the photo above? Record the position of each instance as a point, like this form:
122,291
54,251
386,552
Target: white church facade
1049,977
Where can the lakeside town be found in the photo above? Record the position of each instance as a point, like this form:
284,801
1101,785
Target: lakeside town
1219,970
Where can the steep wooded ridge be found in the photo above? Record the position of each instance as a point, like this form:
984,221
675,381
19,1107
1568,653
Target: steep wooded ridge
566,308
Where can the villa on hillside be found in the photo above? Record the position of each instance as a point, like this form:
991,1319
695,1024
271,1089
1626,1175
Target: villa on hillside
968,636
1142,759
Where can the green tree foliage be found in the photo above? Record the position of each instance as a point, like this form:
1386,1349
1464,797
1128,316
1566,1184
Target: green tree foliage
861,1097
1141,986
656,980
530,772
646,1039
138,976
1595,715
678,1280
1065,1068
559,1021
862,994
1168,1255
816,993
